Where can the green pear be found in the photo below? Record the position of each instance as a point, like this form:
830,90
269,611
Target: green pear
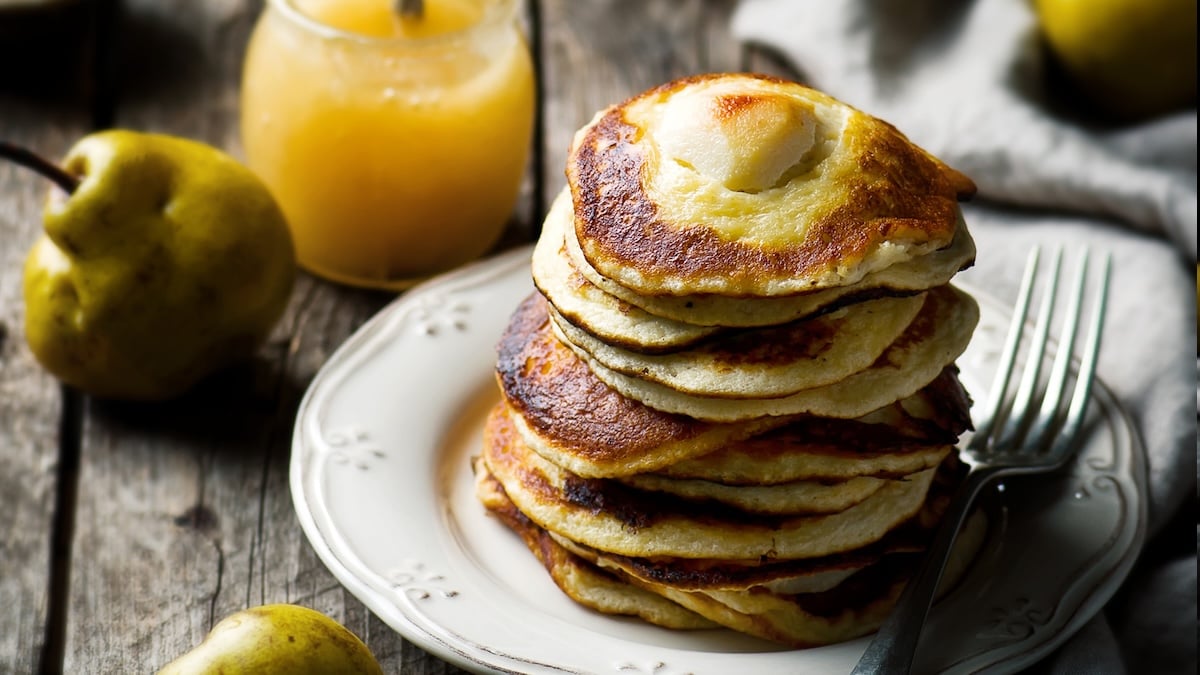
1133,59
279,638
163,260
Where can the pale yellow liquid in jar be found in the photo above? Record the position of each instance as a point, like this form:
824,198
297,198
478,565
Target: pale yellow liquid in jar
393,159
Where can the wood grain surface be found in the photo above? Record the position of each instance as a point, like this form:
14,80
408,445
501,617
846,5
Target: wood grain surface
45,116
170,516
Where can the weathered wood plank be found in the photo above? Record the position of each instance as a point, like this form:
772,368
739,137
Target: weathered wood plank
155,530
29,410
43,111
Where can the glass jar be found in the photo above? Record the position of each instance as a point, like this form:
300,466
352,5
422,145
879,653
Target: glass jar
395,147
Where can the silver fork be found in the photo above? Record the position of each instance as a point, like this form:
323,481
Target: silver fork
1015,437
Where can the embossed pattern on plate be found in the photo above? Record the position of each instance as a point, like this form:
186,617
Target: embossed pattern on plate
382,486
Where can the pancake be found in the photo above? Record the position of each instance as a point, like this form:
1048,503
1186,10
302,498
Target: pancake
855,607
620,594
842,603
612,517
566,414
804,575
784,456
935,269
934,339
581,302
801,603
570,417
766,362
802,496
770,187
578,579
914,434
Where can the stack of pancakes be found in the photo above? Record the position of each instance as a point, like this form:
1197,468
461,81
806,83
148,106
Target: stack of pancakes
732,399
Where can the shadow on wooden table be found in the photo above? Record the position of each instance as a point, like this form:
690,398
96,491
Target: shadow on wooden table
226,410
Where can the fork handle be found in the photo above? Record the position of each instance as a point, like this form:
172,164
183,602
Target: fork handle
891,651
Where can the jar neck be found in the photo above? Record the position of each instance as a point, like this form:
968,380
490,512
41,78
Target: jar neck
496,16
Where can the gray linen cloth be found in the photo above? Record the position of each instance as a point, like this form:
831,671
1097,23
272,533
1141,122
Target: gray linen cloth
967,81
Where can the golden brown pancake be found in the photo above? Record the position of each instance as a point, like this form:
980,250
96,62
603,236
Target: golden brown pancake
581,302
802,575
769,187
783,576
801,603
615,518
934,339
765,362
783,455
613,592
915,434
578,579
786,498
568,415
790,576
855,607
931,270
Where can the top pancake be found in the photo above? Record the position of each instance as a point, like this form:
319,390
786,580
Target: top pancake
918,274
751,186
653,324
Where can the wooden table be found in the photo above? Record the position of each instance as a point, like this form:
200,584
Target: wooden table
127,530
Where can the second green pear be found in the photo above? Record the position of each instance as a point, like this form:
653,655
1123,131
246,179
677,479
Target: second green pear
279,638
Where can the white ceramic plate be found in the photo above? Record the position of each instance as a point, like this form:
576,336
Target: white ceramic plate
381,482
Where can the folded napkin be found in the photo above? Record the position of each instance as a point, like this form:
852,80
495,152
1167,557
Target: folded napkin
966,81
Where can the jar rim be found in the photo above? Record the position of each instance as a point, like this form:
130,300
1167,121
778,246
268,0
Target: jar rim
495,13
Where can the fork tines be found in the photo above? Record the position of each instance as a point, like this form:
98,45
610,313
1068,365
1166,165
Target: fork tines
1016,421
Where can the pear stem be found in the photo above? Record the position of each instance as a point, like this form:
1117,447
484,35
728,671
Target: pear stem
39,164
410,9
